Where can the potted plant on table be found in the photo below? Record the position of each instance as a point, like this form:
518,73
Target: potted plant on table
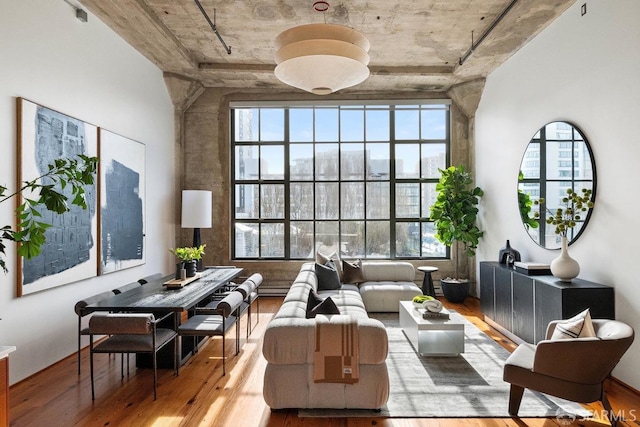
454,214
188,258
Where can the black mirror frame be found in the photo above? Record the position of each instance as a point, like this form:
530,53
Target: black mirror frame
593,182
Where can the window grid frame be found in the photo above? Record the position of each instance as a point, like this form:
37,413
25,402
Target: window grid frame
392,142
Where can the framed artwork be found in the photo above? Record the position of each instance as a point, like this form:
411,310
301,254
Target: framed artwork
122,202
70,252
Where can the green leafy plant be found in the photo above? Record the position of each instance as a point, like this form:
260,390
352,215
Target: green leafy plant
526,205
422,298
46,191
569,213
455,211
188,253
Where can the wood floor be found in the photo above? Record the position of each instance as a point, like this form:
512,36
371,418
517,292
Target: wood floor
201,396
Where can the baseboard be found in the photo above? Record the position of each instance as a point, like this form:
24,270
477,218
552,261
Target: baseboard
516,339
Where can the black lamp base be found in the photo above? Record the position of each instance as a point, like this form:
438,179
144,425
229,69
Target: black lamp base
196,244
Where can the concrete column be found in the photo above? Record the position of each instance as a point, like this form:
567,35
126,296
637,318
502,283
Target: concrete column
183,93
466,97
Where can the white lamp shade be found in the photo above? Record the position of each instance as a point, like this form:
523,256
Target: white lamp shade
322,58
196,209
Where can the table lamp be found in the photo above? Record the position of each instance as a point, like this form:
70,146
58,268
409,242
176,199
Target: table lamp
196,214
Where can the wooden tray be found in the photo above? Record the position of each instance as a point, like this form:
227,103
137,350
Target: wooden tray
176,283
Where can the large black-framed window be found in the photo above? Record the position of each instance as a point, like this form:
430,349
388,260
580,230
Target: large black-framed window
358,179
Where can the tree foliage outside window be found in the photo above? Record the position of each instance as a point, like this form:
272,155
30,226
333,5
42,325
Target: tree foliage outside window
355,179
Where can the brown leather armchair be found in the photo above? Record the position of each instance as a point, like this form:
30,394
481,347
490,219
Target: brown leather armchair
572,369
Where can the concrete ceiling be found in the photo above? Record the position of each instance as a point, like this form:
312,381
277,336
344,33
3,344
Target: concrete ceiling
416,45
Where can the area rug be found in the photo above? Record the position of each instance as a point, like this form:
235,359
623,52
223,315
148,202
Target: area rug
466,386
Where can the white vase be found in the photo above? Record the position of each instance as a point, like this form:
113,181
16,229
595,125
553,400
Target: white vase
564,267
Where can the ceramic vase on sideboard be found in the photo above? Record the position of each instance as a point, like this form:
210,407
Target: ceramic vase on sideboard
564,267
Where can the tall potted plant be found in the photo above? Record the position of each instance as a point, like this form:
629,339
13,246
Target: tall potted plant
454,214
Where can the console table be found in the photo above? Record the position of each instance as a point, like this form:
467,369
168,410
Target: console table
522,306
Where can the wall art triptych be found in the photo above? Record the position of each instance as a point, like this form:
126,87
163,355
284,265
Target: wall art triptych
106,237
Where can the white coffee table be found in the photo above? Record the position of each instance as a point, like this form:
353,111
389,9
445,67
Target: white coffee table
433,337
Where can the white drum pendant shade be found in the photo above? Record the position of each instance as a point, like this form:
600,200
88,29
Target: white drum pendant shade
322,58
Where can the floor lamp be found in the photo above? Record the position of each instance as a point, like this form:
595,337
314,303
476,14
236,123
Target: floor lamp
196,214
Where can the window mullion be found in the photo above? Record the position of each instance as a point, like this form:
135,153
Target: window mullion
392,188
287,187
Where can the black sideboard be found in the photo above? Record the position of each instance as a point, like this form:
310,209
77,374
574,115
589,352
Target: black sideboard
522,306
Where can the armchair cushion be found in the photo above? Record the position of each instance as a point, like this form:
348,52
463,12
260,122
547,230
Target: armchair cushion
579,326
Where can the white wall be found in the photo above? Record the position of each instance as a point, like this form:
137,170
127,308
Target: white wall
583,69
86,71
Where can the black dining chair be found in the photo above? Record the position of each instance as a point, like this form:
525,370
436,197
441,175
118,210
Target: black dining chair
150,279
132,333
127,287
80,309
215,319
249,291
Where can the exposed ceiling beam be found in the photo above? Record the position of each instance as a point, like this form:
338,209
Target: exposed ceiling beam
374,69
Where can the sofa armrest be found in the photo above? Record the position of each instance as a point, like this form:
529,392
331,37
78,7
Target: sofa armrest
291,341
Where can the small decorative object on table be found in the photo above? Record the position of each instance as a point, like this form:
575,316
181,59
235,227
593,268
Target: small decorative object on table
188,257
427,302
508,255
441,315
532,268
180,283
564,267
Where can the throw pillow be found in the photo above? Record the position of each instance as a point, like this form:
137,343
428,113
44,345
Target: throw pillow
352,272
313,301
327,306
324,259
579,326
328,278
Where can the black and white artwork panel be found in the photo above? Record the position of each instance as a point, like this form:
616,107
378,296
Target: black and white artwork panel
122,202
70,252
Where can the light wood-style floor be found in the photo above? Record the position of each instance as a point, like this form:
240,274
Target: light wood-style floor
201,396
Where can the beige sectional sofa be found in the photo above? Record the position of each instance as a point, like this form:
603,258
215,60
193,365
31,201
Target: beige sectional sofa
289,341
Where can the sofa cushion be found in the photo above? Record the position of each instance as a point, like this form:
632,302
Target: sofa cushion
352,272
344,298
328,277
292,340
377,271
385,296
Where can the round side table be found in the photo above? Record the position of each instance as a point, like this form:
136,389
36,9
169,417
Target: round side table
427,282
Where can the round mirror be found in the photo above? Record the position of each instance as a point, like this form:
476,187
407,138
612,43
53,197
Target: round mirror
557,158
